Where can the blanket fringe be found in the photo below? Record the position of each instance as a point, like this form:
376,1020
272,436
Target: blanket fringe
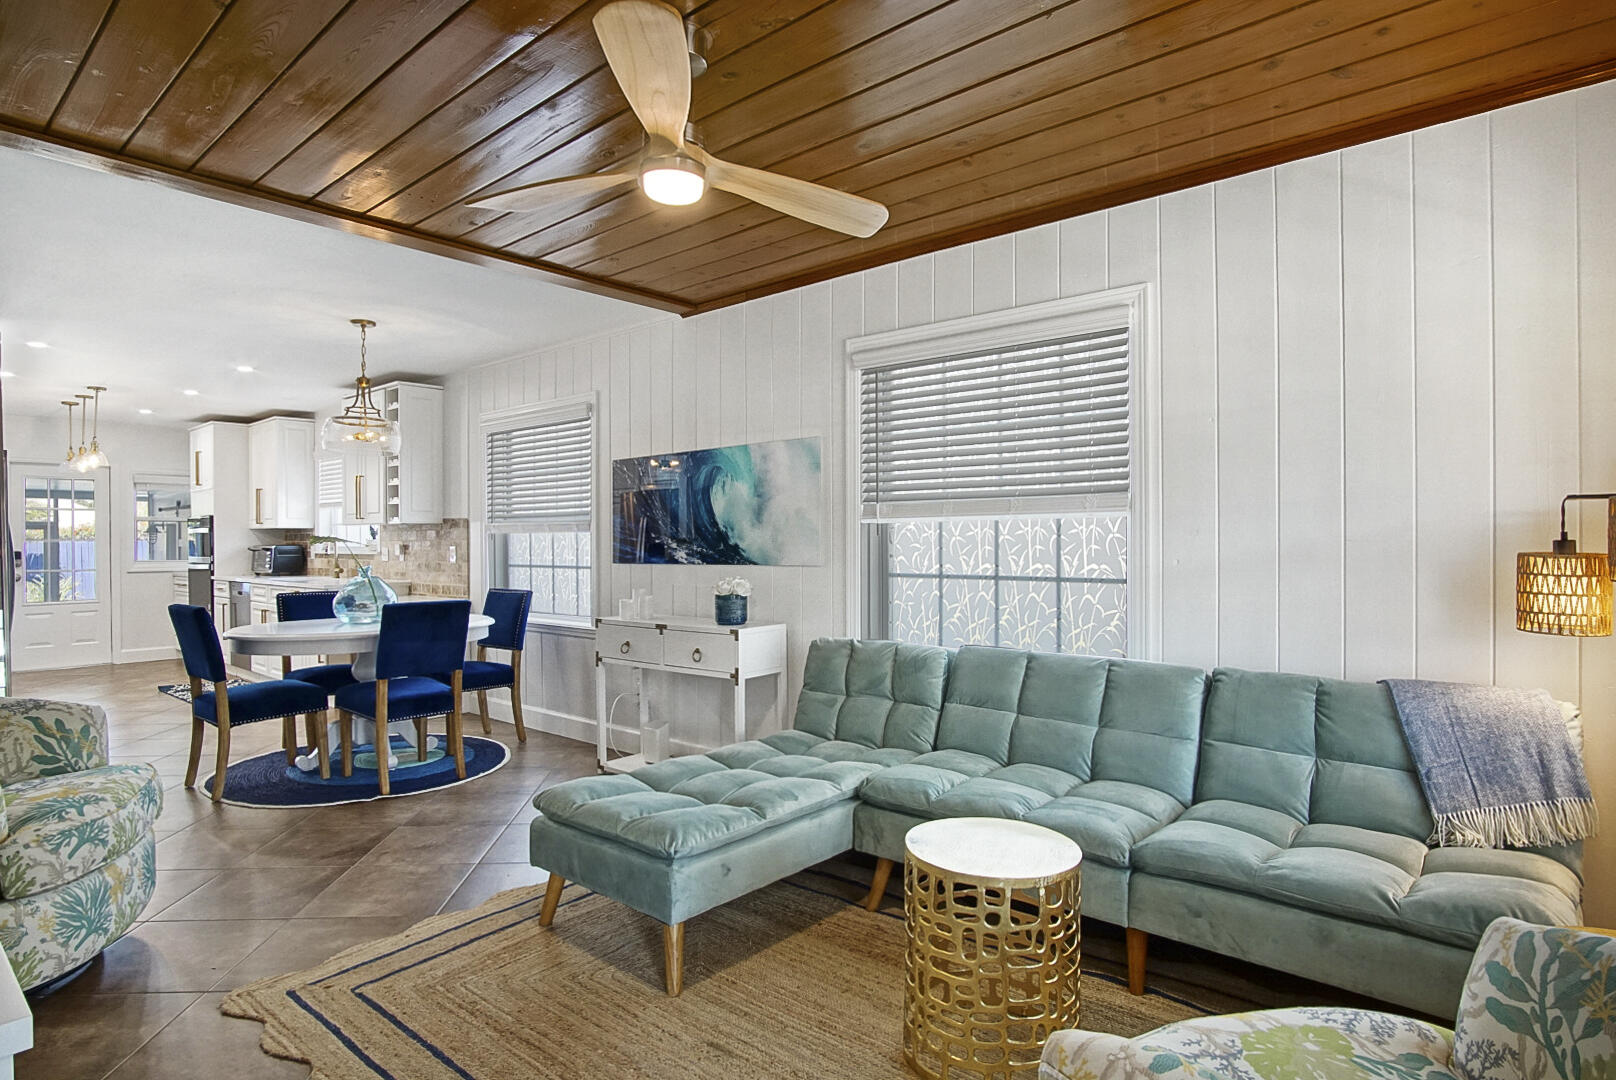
1531,824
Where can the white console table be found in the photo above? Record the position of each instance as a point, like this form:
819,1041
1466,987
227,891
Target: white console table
699,648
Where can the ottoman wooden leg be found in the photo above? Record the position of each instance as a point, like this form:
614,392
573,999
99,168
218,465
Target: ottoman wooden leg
1138,945
878,884
552,895
673,958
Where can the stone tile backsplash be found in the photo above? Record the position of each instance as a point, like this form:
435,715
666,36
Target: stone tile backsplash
422,558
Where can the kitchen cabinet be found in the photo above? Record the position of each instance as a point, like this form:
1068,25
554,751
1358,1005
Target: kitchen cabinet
219,487
280,473
364,487
414,475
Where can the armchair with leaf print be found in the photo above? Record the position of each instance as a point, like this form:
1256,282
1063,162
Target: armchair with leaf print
77,849
1539,1004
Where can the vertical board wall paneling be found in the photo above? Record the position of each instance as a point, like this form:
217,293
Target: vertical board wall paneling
1536,447
1596,278
1453,398
1189,412
1377,258
1248,509
1307,204
1371,364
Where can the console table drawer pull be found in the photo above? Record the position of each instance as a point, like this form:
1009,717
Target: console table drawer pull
623,648
695,654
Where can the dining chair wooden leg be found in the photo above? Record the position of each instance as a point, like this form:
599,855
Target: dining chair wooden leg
289,737
345,737
197,726
316,723
312,723
384,740
482,710
420,738
457,738
221,712
516,695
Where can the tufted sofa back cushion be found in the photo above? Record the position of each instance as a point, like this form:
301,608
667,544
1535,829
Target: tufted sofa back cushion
1324,751
1093,718
875,693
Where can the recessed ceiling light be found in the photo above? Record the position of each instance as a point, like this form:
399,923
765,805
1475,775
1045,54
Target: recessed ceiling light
245,368
37,344
190,393
144,412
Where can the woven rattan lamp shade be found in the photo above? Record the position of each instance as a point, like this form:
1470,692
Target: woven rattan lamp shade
1567,594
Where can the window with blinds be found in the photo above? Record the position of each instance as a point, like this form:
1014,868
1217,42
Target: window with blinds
1036,428
328,481
538,474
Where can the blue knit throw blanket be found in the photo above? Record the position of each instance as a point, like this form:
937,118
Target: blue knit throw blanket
1497,765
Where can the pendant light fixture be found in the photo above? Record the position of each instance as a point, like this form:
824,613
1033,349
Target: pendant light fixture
72,454
94,458
361,426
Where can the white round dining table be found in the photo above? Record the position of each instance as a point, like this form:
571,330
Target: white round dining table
328,637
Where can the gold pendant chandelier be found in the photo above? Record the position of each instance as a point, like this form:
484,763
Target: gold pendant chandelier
85,458
361,426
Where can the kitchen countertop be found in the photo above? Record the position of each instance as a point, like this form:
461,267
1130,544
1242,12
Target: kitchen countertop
305,581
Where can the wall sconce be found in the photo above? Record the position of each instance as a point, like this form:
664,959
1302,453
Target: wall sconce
1565,591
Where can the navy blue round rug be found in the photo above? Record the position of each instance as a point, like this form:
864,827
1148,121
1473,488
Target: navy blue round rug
267,781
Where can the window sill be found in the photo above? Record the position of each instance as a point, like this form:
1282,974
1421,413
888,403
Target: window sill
562,625
152,566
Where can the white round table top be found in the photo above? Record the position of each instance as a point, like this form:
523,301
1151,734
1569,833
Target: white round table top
993,849
322,636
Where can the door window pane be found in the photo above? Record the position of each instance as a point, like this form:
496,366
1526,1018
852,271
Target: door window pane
58,540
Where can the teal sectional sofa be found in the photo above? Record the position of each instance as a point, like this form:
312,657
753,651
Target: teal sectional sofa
1272,817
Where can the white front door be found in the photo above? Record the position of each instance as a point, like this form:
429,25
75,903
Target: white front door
59,526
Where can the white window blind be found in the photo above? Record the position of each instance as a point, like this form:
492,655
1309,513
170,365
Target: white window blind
539,473
328,481
1035,428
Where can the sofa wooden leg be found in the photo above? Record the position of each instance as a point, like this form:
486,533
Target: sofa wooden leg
552,895
1138,944
673,958
878,884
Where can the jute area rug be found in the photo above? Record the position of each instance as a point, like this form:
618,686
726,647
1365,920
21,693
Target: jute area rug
786,982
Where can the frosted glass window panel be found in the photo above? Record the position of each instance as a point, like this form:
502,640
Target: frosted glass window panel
542,547
583,552
519,577
1095,546
586,601
544,590
1027,546
521,548
912,547
1027,615
566,548
913,609
969,615
969,546
566,592
1094,620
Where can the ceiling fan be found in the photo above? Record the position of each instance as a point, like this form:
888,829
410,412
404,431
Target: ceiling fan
646,48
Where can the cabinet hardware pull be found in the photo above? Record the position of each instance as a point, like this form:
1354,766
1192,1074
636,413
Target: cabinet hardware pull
196,466
358,496
695,654
623,648
258,505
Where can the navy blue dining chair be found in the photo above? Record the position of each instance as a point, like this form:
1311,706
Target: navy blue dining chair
225,706
420,654
508,608
302,607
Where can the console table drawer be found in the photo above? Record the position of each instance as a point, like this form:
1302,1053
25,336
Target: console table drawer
700,652
641,644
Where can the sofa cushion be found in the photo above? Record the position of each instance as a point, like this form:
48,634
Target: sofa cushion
66,826
687,805
1446,894
1107,817
874,693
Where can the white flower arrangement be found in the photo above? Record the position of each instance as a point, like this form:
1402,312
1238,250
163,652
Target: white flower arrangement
733,586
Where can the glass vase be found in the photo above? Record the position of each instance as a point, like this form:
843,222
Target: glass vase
361,598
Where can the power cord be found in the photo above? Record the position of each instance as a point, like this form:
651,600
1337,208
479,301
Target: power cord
611,711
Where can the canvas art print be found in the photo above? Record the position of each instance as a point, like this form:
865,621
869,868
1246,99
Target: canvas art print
757,504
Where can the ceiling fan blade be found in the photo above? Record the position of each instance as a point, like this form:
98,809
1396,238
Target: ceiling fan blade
644,42
813,203
550,192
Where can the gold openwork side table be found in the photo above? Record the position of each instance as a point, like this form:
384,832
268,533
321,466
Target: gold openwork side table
992,968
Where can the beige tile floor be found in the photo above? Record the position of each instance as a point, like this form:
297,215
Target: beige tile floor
244,893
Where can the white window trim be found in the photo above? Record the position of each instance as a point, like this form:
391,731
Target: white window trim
154,566
517,416
1019,326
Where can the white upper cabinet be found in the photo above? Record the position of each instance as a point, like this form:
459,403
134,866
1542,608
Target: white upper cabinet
202,470
280,469
364,483
414,476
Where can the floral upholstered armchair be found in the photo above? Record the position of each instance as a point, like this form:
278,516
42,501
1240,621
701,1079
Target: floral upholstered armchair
1539,1004
77,849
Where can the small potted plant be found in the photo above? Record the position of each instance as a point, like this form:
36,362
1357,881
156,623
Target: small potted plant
729,601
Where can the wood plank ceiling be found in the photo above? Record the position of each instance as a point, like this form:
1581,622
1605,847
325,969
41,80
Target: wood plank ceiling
967,118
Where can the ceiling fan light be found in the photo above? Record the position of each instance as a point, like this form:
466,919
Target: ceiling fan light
673,180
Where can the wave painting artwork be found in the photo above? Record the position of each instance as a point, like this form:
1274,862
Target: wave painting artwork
752,505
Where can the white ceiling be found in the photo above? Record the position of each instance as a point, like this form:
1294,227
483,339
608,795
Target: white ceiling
151,291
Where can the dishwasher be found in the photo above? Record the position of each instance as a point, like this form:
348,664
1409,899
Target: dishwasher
240,615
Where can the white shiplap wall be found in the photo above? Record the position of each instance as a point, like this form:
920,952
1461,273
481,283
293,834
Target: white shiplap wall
1381,368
